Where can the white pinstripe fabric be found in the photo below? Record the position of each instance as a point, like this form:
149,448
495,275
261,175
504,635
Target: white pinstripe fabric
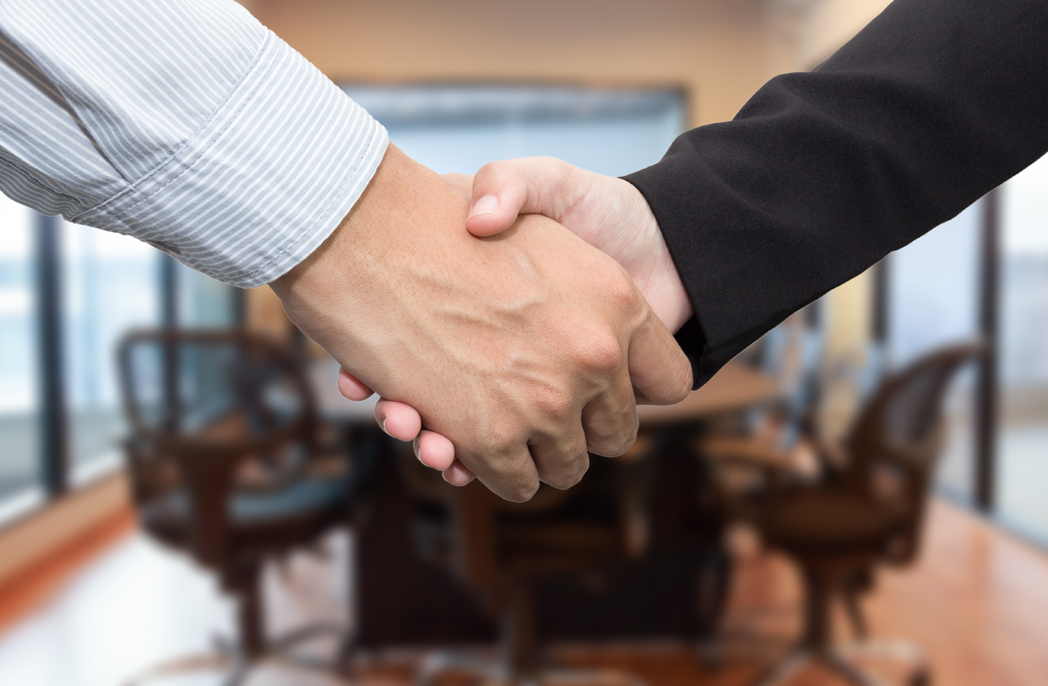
184,123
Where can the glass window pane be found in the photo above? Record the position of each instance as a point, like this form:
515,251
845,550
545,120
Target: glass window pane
933,301
110,283
19,403
1022,448
203,302
459,129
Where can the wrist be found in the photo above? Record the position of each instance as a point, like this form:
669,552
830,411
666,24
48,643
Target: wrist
357,293
356,247
349,276
678,308
655,273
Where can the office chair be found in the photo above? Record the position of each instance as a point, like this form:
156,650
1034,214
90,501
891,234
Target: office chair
226,464
501,550
866,510
790,353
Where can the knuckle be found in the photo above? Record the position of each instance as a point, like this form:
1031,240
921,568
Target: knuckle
618,289
615,445
498,176
522,491
581,463
491,169
507,470
602,352
625,440
570,474
502,445
556,403
610,433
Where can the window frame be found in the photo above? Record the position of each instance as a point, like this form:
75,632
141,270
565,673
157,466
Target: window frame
57,474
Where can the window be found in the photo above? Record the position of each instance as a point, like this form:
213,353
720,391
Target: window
460,128
203,302
19,365
933,301
110,283
68,294
1022,435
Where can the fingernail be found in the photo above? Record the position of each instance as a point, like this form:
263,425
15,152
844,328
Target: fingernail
489,204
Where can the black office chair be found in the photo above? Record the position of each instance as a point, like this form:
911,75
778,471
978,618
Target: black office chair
227,464
867,510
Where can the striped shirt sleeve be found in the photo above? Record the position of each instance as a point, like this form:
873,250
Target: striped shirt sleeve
183,123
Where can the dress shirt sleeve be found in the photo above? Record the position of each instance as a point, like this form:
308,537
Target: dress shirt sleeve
822,174
183,123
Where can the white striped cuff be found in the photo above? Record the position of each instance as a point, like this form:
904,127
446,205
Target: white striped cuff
263,181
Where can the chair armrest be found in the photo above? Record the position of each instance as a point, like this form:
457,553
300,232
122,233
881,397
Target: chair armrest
745,452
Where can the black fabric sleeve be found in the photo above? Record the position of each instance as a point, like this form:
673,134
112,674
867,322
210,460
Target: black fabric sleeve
822,174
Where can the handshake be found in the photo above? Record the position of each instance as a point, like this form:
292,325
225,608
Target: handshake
509,351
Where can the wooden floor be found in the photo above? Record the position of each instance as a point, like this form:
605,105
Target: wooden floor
977,603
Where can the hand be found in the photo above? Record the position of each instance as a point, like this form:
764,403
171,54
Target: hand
607,212
526,349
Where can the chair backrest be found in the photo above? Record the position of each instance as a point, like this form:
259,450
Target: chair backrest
896,441
211,413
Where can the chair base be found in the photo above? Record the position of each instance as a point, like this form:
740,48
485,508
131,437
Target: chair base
229,658
838,661
491,672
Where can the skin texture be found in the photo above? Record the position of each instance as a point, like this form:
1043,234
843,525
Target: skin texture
526,349
606,212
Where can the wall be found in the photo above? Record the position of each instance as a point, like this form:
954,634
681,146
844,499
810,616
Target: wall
716,50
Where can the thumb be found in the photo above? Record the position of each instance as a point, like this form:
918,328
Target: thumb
659,369
504,190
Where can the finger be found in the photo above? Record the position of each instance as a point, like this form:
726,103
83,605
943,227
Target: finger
610,420
659,369
434,450
561,461
491,214
351,387
509,472
458,475
397,419
502,190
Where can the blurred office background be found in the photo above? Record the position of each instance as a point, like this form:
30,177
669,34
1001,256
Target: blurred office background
606,86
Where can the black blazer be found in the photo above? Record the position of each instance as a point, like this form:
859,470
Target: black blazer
822,174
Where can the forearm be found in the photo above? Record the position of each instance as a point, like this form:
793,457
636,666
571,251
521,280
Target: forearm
822,174
188,125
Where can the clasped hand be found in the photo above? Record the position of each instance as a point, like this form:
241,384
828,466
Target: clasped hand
521,352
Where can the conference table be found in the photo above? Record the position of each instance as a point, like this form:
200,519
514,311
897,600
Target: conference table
403,601
735,387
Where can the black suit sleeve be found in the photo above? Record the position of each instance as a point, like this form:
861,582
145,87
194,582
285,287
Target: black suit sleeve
822,174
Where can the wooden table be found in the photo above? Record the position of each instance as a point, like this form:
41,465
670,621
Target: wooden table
733,388
404,599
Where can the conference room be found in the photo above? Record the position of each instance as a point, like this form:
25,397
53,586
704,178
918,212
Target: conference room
855,495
